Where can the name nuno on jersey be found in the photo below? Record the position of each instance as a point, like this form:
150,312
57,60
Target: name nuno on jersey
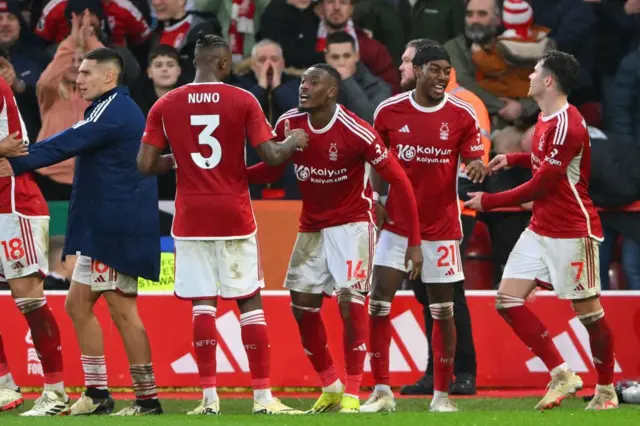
203,98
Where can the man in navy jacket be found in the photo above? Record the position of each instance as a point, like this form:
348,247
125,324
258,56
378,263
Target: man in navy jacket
113,227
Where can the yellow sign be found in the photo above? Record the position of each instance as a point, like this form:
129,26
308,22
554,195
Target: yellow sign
167,268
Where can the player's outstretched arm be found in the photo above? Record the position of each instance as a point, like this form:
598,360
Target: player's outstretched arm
275,153
12,146
81,137
150,160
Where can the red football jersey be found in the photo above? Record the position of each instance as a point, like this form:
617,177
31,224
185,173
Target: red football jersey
123,17
333,171
206,125
429,143
175,35
19,195
562,140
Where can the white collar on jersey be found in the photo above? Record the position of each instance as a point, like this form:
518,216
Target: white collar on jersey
204,82
420,108
557,113
326,128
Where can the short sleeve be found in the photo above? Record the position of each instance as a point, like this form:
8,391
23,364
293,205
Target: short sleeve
279,130
562,146
380,126
257,127
471,145
154,131
376,153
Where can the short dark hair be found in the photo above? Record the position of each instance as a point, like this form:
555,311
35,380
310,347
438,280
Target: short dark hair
331,70
564,67
211,40
418,43
341,37
103,55
163,50
428,53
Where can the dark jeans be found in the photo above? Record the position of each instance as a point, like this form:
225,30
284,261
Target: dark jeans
630,254
465,358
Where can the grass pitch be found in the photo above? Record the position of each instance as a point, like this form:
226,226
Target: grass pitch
474,411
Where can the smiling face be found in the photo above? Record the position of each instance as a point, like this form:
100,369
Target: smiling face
317,88
9,29
432,78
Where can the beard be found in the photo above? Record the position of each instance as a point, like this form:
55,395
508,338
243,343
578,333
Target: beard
480,34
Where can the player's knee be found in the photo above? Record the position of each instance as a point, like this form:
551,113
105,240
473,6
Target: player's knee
348,297
29,304
441,311
379,308
588,310
125,316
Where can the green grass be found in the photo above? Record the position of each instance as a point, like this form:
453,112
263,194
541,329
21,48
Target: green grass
476,411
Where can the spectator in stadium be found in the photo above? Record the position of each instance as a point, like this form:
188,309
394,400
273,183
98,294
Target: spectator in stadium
360,91
382,21
481,27
465,356
21,63
336,16
113,217
55,24
625,99
572,24
439,20
120,19
163,75
61,104
240,20
179,28
277,92
292,24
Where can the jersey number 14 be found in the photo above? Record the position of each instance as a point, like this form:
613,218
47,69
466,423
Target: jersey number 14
211,123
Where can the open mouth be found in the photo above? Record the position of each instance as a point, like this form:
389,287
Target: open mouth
304,97
439,88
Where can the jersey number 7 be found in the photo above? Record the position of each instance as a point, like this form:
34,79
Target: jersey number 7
211,123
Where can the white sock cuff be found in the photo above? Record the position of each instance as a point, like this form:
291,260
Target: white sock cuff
591,317
30,304
379,308
255,317
305,308
204,310
441,311
504,301
351,295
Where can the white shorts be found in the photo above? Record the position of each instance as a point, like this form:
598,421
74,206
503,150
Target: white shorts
24,246
441,258
570,265
101,277
230,269
335,258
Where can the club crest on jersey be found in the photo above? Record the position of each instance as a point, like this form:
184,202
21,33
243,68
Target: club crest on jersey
333,152
444,131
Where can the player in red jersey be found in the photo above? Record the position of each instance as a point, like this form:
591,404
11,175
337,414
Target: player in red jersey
560,247
429,131
206,123
335,244
24,246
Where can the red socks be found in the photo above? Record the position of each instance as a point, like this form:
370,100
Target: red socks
529,329
4,367
256,343
205,342
354,343
601,341
443,339
46,336
379,340
314,342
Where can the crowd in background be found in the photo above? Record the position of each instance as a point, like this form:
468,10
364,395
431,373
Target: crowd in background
493,46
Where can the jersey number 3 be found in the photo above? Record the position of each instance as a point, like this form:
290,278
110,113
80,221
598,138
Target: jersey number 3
211,123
